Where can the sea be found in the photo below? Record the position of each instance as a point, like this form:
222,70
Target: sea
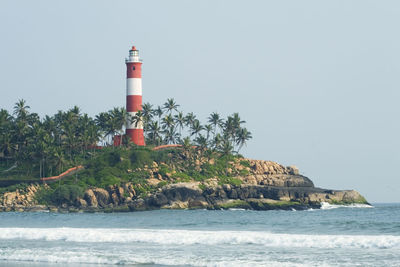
356,235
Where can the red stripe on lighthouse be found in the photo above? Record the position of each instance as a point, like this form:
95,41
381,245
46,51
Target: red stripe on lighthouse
136,136
134,70
133,103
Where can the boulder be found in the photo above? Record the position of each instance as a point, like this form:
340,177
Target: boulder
138,205
197,203
128,188
157,200
90,198
182,191
10,198
81,203
102,196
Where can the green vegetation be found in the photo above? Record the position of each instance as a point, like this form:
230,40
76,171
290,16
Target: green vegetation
32,147
13,188
229,180
360,200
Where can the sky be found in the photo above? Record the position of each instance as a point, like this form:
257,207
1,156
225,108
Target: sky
317,82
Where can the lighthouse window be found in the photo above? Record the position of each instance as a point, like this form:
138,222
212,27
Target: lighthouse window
133,68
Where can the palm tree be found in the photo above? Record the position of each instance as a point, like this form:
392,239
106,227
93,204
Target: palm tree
7,147
171,105
50,126
21,109
217,141
93,134
103,123
137,119
58,159
120,118
215,120
76,110
189,119
21,130
147,115
226,147
202,143
158,112
180,121
196,128
171,136
208,128
243,135
187,148
229,129
5,118
69,139
236,120
154,134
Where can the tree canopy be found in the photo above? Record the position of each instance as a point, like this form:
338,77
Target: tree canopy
48,145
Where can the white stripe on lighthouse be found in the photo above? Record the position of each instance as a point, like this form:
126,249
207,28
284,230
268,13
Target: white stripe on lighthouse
134,86
131,125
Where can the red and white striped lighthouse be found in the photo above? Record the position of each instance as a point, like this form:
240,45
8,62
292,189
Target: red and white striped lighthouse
134,95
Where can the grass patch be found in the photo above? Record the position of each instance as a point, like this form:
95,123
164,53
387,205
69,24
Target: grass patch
229,180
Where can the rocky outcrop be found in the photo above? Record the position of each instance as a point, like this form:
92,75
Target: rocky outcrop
262,172
21,199
260,197
263,185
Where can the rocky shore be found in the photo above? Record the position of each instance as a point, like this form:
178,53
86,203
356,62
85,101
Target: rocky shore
264,185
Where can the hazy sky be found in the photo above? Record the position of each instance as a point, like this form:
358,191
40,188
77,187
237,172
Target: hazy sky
317,81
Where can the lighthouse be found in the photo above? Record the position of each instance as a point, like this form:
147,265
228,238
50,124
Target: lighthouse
134,95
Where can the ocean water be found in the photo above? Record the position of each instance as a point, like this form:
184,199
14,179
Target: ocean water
333,236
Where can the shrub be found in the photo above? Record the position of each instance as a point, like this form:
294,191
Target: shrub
66,194
197,176
202,187
229,180
12,188
113,158
140,157
165,155
109,180
181,177
162,183
109,171
244,172
90,181
209,170
160,156
164,169
124,165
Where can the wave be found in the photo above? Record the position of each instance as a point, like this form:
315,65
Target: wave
102,258
195,237
328,206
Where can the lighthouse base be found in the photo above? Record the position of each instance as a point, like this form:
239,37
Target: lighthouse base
136,136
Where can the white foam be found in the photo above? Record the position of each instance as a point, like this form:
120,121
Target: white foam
61,256
193,237
328,206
